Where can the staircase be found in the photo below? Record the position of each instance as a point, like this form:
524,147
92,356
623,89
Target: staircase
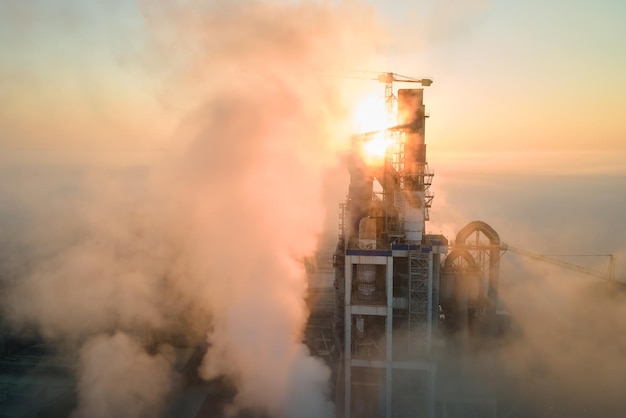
419,303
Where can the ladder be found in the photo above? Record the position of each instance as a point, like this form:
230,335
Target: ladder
342,221
419,303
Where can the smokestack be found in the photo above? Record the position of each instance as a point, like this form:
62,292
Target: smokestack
411,113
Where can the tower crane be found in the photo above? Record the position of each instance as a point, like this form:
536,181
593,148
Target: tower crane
385,77
610,275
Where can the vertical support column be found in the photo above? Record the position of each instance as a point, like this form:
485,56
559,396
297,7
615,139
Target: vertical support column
348,338
388,334
435,293
430,302
494,277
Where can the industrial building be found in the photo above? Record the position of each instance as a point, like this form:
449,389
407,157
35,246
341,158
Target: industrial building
397,298
404,296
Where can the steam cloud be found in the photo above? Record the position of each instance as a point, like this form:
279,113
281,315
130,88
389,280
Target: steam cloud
563,357
135,383
209,240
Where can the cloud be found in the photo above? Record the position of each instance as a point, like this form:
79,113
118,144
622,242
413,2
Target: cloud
118,378
206,239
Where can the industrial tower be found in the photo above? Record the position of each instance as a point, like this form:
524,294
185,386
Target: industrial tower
387,274
404,297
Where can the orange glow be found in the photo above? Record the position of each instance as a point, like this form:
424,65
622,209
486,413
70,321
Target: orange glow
373,149
371,115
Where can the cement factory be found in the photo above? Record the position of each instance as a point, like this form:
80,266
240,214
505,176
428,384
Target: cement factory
393,317
404,296
396,284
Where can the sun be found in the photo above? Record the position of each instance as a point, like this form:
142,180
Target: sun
374,149
370,114
376,146
370,117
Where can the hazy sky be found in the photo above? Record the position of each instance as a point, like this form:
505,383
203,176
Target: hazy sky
518,76
519,88
509,76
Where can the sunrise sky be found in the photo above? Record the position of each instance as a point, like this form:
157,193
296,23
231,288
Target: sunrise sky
530,77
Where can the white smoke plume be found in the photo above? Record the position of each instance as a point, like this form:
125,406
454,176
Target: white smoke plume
119,379
210,239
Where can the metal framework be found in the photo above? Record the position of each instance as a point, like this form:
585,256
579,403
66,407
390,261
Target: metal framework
609,275
342,222
419,302
380,288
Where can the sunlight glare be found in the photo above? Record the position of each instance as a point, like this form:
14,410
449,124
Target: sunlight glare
370,114
373,150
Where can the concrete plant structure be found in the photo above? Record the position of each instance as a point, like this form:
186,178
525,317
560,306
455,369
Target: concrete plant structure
395,283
